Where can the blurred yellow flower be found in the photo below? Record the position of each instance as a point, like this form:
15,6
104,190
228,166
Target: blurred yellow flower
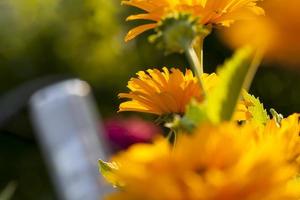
242,113
288,133
224,162
214,12
164,92
278,32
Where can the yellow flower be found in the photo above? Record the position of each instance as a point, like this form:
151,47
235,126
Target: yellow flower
224,162
278,32
164,92
288,133
213,12
242,113
169,92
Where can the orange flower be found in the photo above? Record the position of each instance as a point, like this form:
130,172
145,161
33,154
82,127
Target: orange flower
288,134
169,92
164,92
278,32
223,162
214,12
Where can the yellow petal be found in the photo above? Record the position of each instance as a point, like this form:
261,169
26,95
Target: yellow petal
138,30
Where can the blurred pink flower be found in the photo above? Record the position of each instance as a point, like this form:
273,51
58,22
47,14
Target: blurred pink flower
124,132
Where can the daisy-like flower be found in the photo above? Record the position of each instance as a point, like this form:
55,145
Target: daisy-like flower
170,91
209,12
164,92
215,163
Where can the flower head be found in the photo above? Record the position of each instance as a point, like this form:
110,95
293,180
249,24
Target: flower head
288,133
209,12
164,92
170,91
278,32
215,163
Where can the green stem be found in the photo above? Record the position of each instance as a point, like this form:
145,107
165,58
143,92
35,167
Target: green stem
175,139
172,137
196,64
200,53
198,46
258,56
169,136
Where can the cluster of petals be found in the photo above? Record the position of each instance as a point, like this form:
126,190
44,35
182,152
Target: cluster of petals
164,92
214,12
170,91
216,162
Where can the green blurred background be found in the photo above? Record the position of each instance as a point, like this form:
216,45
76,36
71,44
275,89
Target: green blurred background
84,38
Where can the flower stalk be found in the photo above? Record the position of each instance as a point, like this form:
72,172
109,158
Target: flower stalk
198,46
257,59
196,63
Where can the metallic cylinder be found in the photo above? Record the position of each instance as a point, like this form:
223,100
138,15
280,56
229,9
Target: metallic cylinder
69,133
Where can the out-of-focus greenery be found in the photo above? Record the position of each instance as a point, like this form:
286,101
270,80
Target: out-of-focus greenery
78,37
277,85
84,38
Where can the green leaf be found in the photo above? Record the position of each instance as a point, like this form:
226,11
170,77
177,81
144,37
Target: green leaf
256,108
195,113
108,171
222,101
